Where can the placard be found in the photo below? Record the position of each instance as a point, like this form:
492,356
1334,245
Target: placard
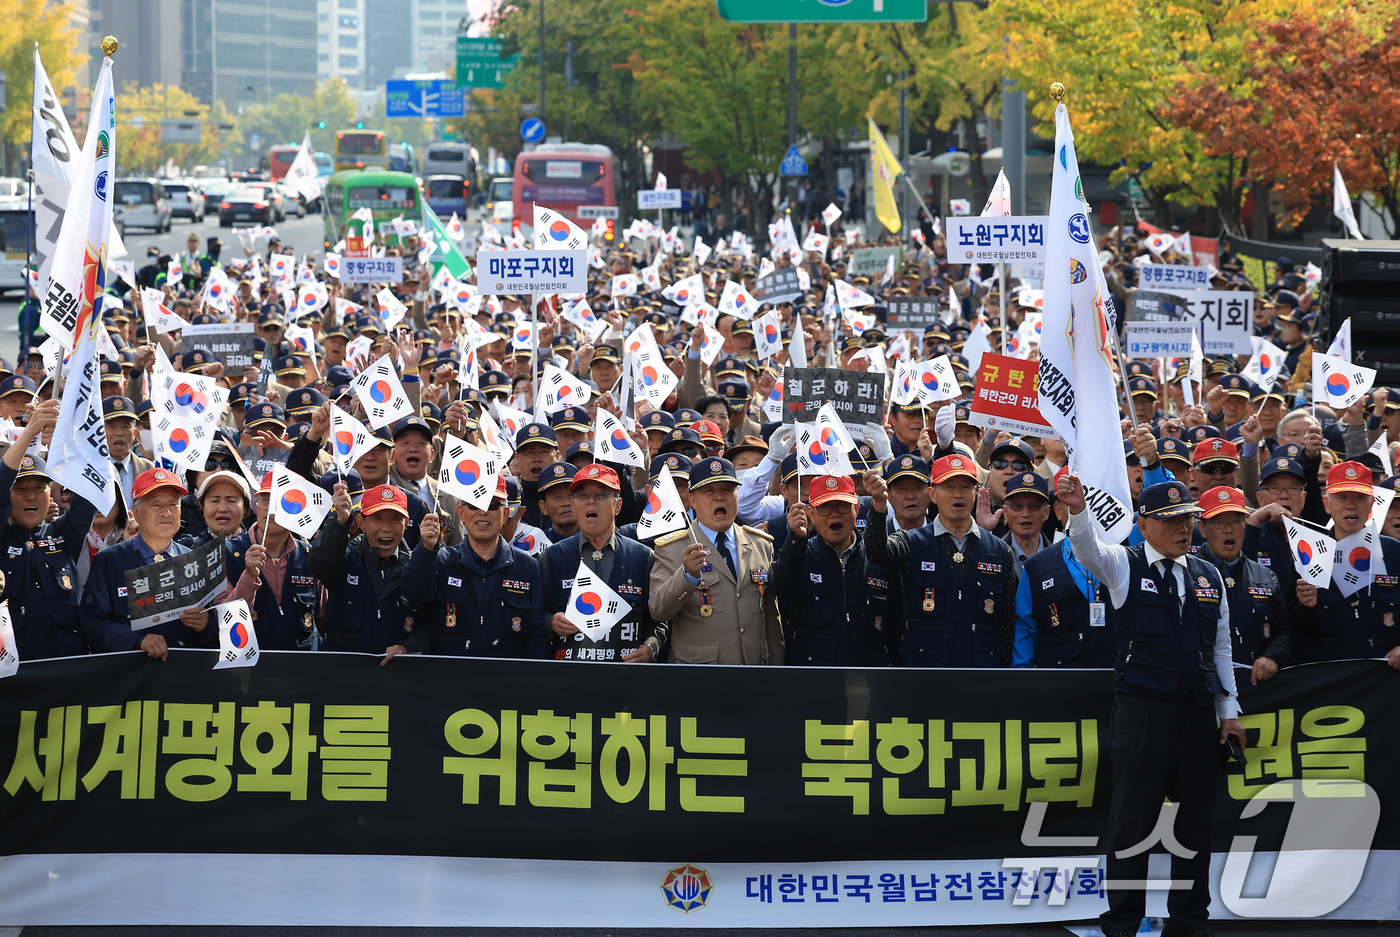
233,343
533,272
858,396
913,313
371,269
160,592
1225,315
1007,397
1158,339
590,212
870,261
654,199
995,240
779,286
1173,276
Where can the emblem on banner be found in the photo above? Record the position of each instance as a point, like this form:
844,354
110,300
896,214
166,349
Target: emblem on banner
687,887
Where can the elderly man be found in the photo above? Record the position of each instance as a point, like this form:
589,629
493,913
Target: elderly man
105,618
1173,676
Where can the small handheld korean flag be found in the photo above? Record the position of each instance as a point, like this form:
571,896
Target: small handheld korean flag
664,511
331,265
346,311
157,315
390,308
238,641
297,505
349,439
1265,366
1313,553
935,380
559,389
1358,561
905,390
594,608
833,431
651,276
625,284
469,472
582,315
829,214
522,336
852,297
814,458
817,243
174,273
686,291
9,655
554,232
773,404
511,419
737,301
768,334
700,254
381,394
1380,503
1337,383
611,442
1341,342
183,441
711,343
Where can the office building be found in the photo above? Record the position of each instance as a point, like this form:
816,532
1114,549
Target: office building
340,41
246,52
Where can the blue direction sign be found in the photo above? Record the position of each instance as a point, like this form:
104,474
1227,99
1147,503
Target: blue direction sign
793,163
432,98
532,130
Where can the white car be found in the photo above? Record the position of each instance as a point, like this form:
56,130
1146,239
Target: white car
142,204
500,206
186,201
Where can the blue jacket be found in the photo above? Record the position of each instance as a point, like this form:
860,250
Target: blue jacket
480,608
288,626
105,620
1053,627
41,577
366,608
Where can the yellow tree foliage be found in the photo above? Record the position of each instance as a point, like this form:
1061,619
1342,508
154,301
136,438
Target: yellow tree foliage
139,113
27,22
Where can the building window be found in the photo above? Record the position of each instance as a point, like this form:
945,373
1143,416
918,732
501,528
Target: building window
349,61
349,22
348,42
323,37
430,31
325,56
430,14
349,4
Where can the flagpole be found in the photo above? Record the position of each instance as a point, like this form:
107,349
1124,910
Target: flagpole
1001,283
1123,375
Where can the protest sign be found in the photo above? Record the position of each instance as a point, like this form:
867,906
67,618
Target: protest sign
160,592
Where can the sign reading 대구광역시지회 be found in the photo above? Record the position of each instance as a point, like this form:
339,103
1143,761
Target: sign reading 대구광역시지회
158,593
1158,339
233,343
532,272
857,396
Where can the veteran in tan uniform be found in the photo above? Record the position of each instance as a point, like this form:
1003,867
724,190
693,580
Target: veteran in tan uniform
711,581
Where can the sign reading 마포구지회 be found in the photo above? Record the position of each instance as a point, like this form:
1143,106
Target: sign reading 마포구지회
533,272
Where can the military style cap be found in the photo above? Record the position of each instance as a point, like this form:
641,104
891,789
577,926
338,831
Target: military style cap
264,414
31,466
16,384
681,437
679,465
1027,483
1166,499
1171,449
658,421
575,418
412,423
556,473
535,433
906,466
712,470
118,408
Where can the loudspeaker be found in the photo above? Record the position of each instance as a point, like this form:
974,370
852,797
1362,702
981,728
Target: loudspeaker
1361,282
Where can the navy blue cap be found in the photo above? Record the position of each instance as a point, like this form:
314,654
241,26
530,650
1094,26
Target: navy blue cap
679,465
431,414
289,364
31,465
907,466
338,374
495,382
685,416
116,408
658,420
556,473
582,447
304,400
238,394
1027,483
734,389
1277,465
680,437
575,418
354,485
712,470
788,469
1142,385
1020,446
198,358
1166,499
264,413
412,423
1169,448
863,458
1288,450
1197,434
16,384
535,433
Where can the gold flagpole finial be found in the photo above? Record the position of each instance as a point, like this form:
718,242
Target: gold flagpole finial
109,46
1057,91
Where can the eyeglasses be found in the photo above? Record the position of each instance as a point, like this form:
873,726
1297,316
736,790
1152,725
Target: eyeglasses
690,452
1216,468
1134,461
1229,520
215,465
593,497
1277,490
1020,465
833,507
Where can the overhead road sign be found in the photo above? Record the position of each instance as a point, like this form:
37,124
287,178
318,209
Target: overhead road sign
480,63
429,98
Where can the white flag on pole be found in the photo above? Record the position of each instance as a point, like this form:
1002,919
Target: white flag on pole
1313,553
1358,560
381,394
999,201
829,215
851,297
554,232
297,504
303,174
54,149
1078,396
158,317
78,455
664,511
9,652
238,640
1341,203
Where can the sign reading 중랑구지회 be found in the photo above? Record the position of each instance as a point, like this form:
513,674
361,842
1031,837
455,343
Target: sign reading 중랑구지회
468,788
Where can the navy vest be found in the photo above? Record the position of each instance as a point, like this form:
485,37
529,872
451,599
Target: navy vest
953,611
630,575
292,624
1064,637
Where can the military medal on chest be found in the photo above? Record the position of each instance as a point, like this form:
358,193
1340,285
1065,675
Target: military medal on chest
597,555
760,579
452,614
958,557
928,600
1229,582
706,609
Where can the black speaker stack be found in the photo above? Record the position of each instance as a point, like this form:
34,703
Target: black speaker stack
1361,282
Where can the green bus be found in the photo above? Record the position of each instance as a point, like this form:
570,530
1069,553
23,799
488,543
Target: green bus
387,194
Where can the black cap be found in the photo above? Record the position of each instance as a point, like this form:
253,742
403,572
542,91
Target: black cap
679,465
556,473
710,471
1166,499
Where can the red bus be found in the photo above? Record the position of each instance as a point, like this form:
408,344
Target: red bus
277,161
563,177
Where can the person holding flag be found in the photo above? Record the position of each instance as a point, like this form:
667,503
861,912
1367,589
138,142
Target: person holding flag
271,571
623,564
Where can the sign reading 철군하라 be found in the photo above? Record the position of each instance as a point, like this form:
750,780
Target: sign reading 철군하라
858,396
158,593
233,343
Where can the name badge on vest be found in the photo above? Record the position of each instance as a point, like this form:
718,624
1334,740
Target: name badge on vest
1149,585
1098,615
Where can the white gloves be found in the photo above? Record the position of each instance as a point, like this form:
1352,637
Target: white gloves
780,443
944,424
879,441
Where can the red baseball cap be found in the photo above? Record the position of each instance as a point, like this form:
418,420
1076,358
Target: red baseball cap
265,486
156,478
599,474
384,498
832,488
1216,450
1223,500
1349,476
708,431
951,466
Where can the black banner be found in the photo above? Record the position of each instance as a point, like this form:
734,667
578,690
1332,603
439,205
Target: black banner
858,396
779,286
333,753
912,313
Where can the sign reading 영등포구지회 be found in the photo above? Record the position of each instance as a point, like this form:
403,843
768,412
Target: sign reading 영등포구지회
994,240
158,593
1154,276
532,272
371,269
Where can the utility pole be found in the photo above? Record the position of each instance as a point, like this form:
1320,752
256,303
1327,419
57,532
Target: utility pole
903,149
792,105
1013,143
541,59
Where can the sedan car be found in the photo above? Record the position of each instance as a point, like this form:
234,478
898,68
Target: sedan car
186,201
248,205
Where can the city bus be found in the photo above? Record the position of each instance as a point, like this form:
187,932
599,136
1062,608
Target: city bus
277,161
563,177
387,194
403,160
360,149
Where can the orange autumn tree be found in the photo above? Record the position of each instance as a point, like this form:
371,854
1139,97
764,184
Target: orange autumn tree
1325,89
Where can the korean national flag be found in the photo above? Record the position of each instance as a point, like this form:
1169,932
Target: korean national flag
349,439
594,608
625,284
582,315
612,443
191,398
1313,553
238,640
9,654
297,505
817,243
737,301
1337,383
1266,364
773,404
829,214
934,380
852,297
560,389
522,336
346,312
651,277
381,394
905,389
390,308
469,472
819,451
768,335
157,315
664,511
332,265
184,442
1358,560
306,274
711,343
686,291
554,232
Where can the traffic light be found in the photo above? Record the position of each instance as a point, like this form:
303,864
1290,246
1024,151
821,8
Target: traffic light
610,231
320,125
359,125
